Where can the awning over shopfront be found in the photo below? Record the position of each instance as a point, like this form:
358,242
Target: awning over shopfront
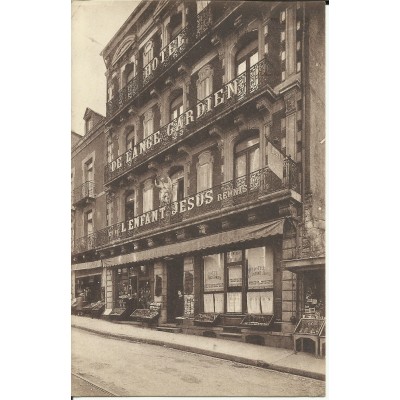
241,235
304,264
86,265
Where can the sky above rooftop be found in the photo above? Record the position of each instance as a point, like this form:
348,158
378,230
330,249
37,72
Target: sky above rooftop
94,23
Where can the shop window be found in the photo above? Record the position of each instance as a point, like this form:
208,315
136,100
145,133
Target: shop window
247,57
178,188
204,171
247,156
147,196
259,262
176,107
89,287
213,297
205,82
148,53
313,294
130,204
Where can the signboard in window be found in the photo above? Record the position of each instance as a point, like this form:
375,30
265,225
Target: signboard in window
213,273
234,302
188,305
234,256
275,160
188,287
260,268
235,276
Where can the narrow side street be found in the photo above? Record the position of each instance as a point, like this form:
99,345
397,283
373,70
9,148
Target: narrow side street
137,369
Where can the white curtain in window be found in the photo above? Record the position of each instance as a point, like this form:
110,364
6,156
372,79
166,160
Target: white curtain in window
204,177
208,303
234,302
148,199
219,302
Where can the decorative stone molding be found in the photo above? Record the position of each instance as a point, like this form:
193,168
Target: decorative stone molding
204,229
154,93
136,245
182,234
183,69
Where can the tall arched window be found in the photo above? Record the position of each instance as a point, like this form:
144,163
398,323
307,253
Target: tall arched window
129,204
130,139
148,123
204,171
176,107
205,82
246,57
147,195
178,188
148,53
247,156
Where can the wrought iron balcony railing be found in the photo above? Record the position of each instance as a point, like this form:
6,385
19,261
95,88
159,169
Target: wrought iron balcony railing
83,192
161,62
239,89
242,190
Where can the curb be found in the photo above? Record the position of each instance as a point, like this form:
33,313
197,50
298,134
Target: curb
210,353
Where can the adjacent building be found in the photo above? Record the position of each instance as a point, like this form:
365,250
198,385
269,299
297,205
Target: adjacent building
201,193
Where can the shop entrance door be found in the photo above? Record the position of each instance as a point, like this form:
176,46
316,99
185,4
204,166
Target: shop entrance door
174,289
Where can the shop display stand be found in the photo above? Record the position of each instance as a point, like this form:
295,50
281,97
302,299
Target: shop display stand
308,328
206,319
257,321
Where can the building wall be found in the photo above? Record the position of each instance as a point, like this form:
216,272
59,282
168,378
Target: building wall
289,118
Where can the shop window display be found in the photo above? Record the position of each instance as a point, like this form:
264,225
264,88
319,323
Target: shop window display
239,281
314,294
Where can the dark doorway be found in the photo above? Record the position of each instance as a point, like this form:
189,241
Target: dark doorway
174,289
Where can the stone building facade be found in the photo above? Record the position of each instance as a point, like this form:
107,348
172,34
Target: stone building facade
212,198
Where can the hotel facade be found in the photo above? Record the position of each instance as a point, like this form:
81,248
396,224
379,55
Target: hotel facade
206,211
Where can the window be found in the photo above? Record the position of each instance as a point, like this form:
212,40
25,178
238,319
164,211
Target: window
148,196
176,108
130,204
89,177
178,188
130,139
204,171
259,261
205,82
89,124
89,223
239,281
247,57
148,53
148,126
247,156
213,297
109,213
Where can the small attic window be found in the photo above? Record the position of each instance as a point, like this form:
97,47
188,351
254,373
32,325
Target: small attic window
89,124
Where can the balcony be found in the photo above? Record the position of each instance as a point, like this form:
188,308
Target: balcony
165,59
229,197
83,193
234,93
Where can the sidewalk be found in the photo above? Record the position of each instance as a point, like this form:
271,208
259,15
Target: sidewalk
277,359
